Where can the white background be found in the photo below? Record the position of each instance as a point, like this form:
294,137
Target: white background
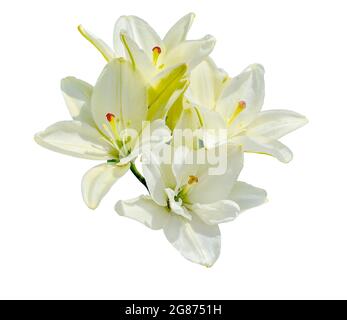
53,246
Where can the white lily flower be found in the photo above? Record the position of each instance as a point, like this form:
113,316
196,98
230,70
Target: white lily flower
153,54
188,202
107,125
234,105
167,81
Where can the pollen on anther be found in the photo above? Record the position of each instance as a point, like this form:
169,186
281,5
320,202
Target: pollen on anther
193,179
242,104
110,117
156,53
157,50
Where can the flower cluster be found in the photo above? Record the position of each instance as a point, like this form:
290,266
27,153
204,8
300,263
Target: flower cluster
167,104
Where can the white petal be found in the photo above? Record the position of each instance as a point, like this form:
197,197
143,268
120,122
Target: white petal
247,196
176,207
217,212
99,44
198,127
76,139
274,124
144,210
158,175
263,145
217,177
140,31
136,55
216,170
249,87
195,240
212,119
213,138
112,95
77,95
183,164
191,52
99,180
153,136
178,31
206,83
214,128
189,119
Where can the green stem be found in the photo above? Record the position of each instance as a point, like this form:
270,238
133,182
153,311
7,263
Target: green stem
138,175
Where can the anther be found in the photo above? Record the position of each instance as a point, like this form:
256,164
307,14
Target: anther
156,51
241,105
110,117
193,179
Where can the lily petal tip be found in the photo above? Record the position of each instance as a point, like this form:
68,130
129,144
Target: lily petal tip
192,15
90,205
210,37
37,138
257,67
287,159
80,28
64,81
305,120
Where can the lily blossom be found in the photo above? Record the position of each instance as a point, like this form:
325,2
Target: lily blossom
107,124
188,202
165,84
153,54
234,105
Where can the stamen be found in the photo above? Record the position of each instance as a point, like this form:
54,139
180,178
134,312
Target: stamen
193,179
240,107
110,117
126,139
107,140
108,131
200,117
156,52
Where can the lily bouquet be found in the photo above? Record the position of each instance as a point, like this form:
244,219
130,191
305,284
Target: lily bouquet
165,103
